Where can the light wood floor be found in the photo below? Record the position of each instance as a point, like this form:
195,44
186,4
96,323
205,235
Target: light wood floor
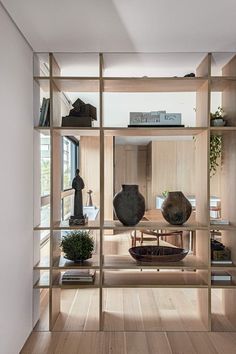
130,343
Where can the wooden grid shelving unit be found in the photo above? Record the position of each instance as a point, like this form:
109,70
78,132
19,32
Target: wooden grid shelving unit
121,271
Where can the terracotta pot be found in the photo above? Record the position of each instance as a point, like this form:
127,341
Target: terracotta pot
129,205
176,209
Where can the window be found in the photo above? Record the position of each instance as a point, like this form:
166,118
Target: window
69,164
45,165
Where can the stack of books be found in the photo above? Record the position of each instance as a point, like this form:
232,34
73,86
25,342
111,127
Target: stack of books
221,276
78,276
44,120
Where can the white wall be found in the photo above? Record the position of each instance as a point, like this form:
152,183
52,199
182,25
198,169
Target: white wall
16,181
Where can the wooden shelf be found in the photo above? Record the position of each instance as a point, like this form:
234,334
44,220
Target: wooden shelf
121,271
223,284
77,84
149,279
220,83
222,227
118,131
43,282
57,284
78,131
127,262
43,82
43,130
116,225
63,263
151,84
222,129
64,225
41,227
44,263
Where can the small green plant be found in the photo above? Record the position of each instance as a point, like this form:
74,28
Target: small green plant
215,153
165,193
77,245
219,113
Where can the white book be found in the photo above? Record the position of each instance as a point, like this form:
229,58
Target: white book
219,222
221,276
222,262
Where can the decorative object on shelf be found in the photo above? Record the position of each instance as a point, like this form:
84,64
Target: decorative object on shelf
217,119
44,120
215,152
219,252
176,208
82,115
89,199
77,246
221,276
155,119
190,75
79,218
157,254
129,205
80,276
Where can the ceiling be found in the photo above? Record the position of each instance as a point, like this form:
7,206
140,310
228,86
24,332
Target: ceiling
126,25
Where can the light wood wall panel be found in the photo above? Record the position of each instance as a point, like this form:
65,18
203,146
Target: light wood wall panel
89,167
89,171
131,167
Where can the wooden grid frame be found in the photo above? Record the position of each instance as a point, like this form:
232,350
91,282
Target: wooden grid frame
203,85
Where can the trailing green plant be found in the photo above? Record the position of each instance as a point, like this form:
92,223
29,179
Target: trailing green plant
77,245
215,153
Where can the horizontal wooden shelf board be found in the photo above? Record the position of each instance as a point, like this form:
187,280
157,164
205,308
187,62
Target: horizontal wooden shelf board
43,281
223,129
112,224
63,263
43,130
127,262
223,285
44,263
43,82
77,84
42,226
64,225
222,227
124,131
152,279
153,84
220,83
76,131
223,267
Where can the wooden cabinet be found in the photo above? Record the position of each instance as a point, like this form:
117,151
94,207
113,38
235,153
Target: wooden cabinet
162,164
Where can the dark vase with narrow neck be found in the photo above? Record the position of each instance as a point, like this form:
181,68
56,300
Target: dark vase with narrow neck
129,205
176,208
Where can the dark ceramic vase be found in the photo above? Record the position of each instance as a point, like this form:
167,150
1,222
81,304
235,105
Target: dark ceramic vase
129,205
176,209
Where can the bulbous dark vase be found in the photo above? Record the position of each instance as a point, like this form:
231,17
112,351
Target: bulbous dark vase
129,205
176,208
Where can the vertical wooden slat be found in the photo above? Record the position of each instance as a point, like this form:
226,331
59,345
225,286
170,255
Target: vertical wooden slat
101,324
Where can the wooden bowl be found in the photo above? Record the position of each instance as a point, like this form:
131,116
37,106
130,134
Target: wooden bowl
157,254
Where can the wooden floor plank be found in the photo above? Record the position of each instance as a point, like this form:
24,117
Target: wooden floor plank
130,343
201,343
158,343
223,342
180,343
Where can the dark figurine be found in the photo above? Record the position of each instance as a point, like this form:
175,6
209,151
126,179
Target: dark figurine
190,75
78,185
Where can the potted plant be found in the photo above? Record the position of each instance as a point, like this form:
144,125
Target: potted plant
77,245
217,119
